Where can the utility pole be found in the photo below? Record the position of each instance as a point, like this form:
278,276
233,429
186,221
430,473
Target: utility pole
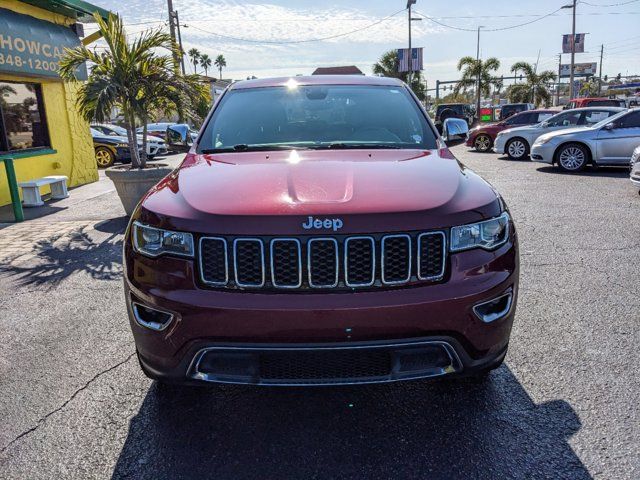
180,43
172,32
600,76
409,3
573,46
479,72
559,77
535,71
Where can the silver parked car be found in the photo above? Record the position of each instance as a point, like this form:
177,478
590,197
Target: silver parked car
516,142
610,142
635,167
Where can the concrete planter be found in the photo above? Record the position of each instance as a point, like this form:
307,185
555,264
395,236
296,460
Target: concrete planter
132,184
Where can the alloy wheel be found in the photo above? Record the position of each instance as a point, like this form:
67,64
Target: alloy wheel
572,158
482,143
103,158
517,149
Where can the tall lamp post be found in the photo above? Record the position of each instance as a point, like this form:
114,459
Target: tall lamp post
479,66
573,46
409,3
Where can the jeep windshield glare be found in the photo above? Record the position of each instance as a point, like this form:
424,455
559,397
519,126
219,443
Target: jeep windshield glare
316,117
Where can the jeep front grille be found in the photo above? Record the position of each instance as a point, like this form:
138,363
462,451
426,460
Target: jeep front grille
341,262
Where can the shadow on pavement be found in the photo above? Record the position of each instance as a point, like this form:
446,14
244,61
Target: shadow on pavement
589,171
81,250
423,430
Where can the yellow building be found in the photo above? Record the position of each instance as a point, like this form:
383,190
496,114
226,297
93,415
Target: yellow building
39,125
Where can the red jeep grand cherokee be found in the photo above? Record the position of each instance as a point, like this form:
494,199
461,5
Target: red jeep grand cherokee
320,232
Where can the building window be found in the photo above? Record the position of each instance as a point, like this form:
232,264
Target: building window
23,124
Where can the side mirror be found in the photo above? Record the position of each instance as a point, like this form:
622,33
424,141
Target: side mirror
454,131
178,136
544,124
609,126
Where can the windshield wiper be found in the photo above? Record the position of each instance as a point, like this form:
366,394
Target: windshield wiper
243,147
360,146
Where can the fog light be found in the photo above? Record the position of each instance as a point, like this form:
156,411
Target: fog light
150,317
494,309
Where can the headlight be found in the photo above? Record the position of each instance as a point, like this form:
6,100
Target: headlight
542,141
153,242
489,234
499,134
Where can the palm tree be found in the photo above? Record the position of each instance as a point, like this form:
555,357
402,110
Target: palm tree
220,62
194,55
471,68
387,66
205,62
535,87
128,76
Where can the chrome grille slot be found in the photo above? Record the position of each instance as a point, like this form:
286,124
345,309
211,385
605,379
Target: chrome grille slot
431,255
322,262
214,269
396,259
248,258
286,263
359,261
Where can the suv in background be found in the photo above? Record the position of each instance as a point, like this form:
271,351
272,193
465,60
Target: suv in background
595,102
510,109
464,111
320,232
483,136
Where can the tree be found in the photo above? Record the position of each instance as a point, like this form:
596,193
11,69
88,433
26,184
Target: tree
194,55
535,88
387,66
129,76
470,68
220,62
205,62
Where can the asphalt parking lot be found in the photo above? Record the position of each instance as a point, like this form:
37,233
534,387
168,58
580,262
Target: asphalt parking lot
74,403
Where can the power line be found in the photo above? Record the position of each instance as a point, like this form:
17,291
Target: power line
289,42
609,4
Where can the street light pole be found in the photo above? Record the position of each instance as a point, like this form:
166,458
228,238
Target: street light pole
479,67
573,47
172,32
409,3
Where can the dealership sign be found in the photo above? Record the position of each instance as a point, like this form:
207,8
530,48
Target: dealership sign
29,46
579,69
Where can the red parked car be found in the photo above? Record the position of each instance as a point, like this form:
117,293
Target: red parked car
320,232
482,137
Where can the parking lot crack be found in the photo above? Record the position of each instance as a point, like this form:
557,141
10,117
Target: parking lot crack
43,419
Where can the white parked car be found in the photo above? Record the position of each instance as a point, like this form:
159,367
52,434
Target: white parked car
155,146
517,142
635,167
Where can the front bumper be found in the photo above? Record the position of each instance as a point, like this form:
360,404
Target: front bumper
499,144
254,323
543,152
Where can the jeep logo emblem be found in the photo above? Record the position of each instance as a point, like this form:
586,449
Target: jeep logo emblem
317,223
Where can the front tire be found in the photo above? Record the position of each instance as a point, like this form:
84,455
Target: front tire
483,143
572,157
104,157
517,148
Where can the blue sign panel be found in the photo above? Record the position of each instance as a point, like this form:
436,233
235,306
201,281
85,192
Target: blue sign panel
29,46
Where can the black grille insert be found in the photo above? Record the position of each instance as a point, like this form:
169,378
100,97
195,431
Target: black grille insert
248,262
359,261
213,261
396,259
431,254
286,264
323,262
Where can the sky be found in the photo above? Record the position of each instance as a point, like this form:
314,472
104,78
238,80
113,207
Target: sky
251,33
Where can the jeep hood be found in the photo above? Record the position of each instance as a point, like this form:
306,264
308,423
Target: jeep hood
321,183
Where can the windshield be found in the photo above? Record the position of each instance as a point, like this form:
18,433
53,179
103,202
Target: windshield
95,133
317,116
118,130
